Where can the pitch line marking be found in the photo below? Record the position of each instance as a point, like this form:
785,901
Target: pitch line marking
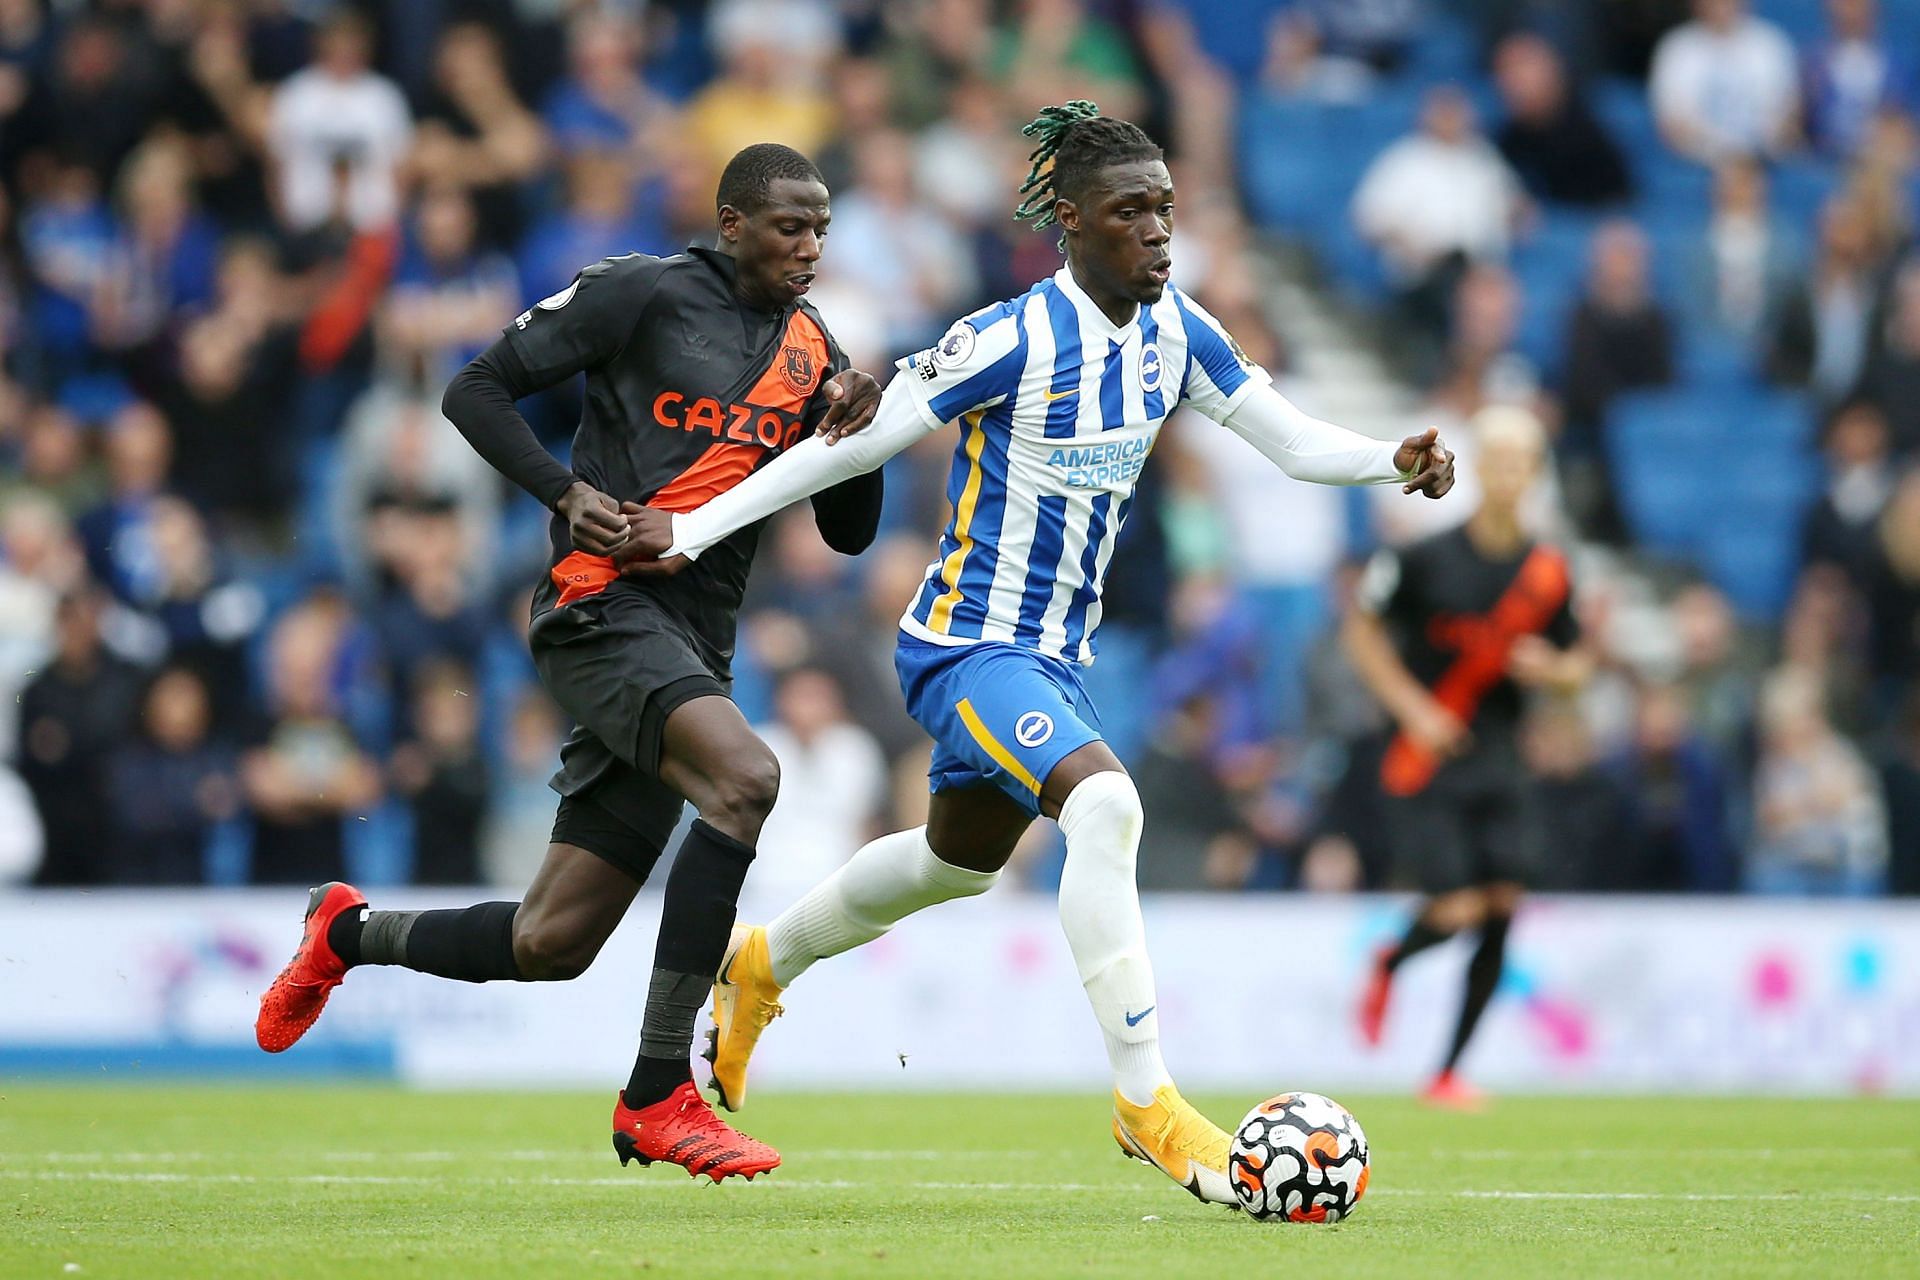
378,1180
449,1157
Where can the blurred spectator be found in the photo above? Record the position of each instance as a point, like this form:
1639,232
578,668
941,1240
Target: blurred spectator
450,297
338,124
520,805
1823,330
206,616
1724,85
1673,834
1892,376
168,786
1376,33
930,49
92,97
1346,730
1054,50
443,777
773,56
73,715
1299,66
1553,141
22,843
1880,182
165,251
1199,838
600,215
53,459
304,771
1281,541
117,534
1742,270
228,394
400,457
1582,808
66,238
896,246
1850,77
601,101
1893,594
1842,529
475,133
1435,200
1619,338
1900,780
833,783
856,645
40,561
1820,828
963,163
1720,686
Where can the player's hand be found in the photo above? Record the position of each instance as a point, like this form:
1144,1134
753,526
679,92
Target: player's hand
854,397
593,519
649,535
1533,661
1428,462
1436,729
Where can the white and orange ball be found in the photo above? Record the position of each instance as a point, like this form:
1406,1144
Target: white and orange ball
1299,1157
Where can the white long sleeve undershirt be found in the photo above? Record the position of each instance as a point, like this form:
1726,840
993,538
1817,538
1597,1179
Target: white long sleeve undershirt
1303,447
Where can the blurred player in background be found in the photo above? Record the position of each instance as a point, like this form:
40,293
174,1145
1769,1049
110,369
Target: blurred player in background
1449,634
1061,393
700,368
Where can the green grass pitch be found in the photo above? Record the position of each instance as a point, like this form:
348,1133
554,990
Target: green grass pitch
343,1183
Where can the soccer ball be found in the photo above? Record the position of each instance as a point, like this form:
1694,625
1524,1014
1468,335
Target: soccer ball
1299,1157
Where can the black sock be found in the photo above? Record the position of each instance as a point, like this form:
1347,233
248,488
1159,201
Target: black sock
1419,936
474,944
1483,975
703,891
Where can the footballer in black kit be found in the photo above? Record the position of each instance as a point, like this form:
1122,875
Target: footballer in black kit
701,367
1451,634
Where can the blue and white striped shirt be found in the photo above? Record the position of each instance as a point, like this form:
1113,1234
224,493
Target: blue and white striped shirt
1059,408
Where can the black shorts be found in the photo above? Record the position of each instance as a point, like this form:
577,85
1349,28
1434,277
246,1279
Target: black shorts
1474,824
624,820
618,664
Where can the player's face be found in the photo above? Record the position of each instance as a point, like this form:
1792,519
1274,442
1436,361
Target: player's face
777,247
1123,231
1508,469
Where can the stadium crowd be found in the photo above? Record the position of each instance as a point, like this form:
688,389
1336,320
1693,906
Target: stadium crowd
263,610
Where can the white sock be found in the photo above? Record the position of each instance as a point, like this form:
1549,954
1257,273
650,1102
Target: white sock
1100,911
886,881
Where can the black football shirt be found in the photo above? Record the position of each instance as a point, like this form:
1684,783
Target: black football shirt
1453,613
689,391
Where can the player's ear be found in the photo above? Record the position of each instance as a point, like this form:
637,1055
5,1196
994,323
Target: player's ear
730,223
1067,214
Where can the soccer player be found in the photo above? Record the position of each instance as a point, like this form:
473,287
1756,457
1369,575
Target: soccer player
1449,634
1060,393
700,368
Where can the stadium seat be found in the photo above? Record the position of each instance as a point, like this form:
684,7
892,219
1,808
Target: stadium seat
1677,458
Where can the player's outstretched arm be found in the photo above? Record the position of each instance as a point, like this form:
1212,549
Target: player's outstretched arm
1308,449
662,541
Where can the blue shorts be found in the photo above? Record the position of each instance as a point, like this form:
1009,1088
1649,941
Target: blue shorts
998,714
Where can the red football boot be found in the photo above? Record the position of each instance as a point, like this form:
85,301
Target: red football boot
294,1001
1450,1093
1372,1013
682,1129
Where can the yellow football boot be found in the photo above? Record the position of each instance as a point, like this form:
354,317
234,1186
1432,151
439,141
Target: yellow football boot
1178,1141
745,1000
